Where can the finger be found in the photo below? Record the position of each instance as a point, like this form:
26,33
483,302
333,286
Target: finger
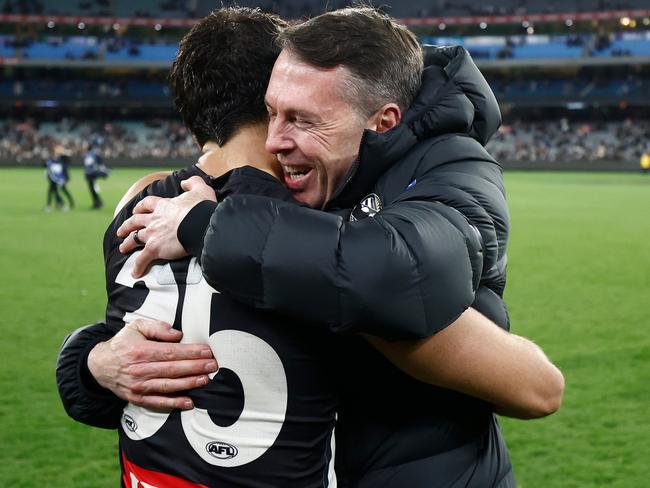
156,329
129,244
192,183
143,260
147,205
164,403
172,351
197,185
169,386
180,369
135,222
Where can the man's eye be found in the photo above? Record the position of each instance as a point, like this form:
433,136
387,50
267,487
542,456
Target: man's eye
300,122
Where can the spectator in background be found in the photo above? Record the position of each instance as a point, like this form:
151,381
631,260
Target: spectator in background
63,155
645,162
56,171
94,169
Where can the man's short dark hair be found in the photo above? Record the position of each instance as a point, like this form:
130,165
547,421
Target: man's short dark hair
384,58
221,72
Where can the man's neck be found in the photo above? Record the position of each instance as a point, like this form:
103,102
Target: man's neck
245,148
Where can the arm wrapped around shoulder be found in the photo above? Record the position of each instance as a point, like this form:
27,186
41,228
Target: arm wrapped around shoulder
405,273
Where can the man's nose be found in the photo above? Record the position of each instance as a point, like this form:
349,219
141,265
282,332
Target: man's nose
277,139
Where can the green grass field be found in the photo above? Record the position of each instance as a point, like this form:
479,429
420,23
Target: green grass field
579,285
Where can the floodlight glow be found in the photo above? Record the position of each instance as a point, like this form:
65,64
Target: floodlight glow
625,21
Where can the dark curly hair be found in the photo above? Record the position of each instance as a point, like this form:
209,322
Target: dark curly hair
220,74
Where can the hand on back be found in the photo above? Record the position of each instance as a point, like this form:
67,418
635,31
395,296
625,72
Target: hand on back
144,364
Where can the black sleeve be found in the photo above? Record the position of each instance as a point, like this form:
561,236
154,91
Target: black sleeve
83,398
246,180
492,306
405,273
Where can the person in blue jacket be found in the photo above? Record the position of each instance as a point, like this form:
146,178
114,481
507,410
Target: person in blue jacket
94,168
57,175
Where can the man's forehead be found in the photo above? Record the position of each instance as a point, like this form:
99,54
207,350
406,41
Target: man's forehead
297,62
291,71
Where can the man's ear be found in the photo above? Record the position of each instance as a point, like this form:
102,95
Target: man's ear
384,119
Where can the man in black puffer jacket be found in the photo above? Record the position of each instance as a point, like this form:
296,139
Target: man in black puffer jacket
429,235
440,221
436,219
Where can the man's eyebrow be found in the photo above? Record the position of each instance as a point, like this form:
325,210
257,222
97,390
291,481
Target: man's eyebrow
307,115
315,116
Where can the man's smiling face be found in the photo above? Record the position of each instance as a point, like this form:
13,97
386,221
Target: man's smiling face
314,131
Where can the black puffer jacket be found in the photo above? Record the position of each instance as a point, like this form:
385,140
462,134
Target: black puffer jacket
416,265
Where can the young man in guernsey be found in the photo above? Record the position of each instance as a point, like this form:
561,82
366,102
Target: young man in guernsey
266,418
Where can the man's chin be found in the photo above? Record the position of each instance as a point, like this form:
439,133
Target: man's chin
308,199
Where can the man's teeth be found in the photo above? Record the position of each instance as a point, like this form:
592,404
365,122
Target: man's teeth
296,173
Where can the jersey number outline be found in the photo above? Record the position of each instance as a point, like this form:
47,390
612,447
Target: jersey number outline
253,360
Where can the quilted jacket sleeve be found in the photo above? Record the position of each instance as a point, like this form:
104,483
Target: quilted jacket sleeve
405,273
83,399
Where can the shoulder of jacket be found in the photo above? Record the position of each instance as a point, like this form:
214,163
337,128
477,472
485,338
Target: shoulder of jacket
450,148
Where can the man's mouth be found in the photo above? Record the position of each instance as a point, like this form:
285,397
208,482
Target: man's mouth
296,177
296,172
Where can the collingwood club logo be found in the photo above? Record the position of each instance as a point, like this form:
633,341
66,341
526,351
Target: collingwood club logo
129,423
221,450
369,206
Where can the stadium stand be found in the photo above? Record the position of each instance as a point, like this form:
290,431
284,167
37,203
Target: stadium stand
300,8
569,141
28,140
533,47
556,66
547,141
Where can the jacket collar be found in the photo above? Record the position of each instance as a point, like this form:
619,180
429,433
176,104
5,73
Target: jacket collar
454,98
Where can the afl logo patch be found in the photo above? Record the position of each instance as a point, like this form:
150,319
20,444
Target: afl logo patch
369,206
129,423
221,450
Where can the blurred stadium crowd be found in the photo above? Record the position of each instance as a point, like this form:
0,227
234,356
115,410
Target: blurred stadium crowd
587,86
572,76
562,140
520,140
30,140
